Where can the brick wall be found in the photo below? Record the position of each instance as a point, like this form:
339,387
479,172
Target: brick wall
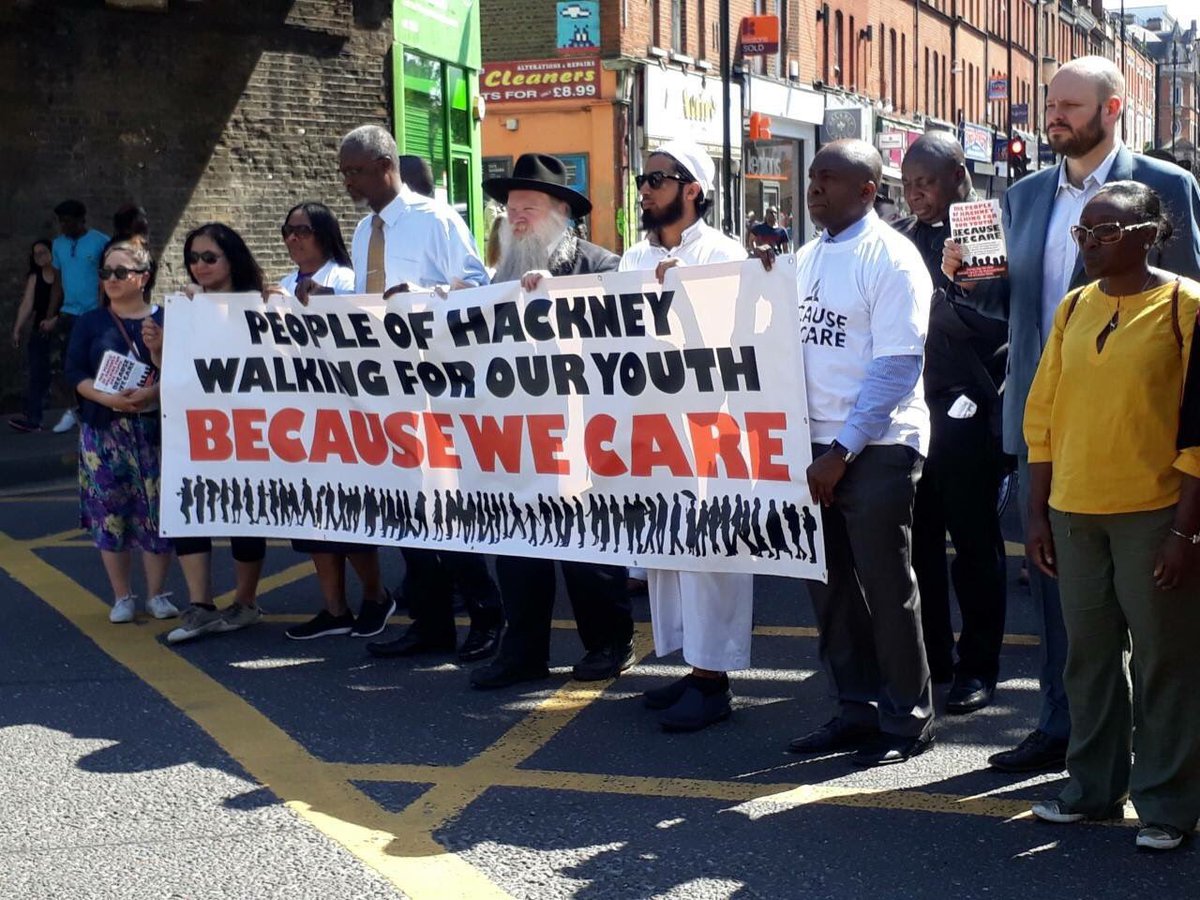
223,110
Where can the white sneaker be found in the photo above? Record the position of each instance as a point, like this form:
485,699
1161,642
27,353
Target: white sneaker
66,423
161,607
1159,837
123,609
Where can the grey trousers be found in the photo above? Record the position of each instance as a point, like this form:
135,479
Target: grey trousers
1106,574
869,614
1054,717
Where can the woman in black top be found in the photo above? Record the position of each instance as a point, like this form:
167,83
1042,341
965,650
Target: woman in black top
218,262
35,302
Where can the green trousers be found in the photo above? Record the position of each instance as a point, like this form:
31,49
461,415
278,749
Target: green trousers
1111,606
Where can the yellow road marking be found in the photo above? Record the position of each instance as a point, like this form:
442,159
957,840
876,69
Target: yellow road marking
271,756
402,846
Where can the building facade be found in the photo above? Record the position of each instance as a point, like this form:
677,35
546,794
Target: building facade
220,110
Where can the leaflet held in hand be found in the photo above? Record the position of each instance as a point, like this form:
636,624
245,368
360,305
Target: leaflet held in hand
975,225
119,372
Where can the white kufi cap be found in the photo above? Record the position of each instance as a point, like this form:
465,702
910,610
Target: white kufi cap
694,158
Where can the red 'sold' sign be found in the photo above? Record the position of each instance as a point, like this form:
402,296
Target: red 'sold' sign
760,35
540,79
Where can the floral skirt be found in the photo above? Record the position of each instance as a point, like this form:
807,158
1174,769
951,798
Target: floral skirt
119,468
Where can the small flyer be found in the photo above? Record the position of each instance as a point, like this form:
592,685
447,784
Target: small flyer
976,226
119,372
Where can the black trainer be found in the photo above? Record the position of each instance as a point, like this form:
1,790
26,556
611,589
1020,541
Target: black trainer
666,696
607,662
373,617
321,625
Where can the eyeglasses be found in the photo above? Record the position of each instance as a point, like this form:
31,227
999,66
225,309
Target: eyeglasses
207,257
656,179
1105,232
119,272
300,231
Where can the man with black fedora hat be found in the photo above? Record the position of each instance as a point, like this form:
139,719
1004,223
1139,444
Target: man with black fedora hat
537,241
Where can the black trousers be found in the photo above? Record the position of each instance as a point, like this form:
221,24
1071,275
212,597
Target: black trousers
599,601
245,549
429,580
869,612
957,493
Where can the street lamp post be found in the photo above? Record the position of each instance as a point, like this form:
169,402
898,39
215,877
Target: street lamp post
726,134
1009,87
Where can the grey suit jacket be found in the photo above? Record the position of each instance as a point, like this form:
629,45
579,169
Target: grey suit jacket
1026,212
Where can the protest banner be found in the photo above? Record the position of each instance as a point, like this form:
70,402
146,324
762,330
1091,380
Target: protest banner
601,418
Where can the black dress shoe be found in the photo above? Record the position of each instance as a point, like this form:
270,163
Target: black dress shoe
502,674
890,749
607,662
696,709
666,696
1038,751
411,643
836,734
482,641
968,695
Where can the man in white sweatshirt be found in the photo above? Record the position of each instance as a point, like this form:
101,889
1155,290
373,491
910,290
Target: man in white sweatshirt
708,615
864,311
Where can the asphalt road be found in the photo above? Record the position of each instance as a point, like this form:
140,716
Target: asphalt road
248,766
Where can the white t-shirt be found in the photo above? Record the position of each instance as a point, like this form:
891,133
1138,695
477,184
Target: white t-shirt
330,275
862,298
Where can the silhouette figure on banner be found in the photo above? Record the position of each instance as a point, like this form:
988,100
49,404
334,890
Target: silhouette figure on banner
677,525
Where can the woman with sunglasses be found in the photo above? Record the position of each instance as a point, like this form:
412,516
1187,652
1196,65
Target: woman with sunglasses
1115,517
314,242
218,262
119,437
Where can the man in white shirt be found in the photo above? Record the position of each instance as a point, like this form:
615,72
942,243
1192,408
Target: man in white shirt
864,310
1083,105
708,615
410,243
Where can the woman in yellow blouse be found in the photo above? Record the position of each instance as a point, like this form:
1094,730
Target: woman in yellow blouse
1115,515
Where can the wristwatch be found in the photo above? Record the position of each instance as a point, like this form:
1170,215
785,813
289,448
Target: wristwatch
848,456
1190,538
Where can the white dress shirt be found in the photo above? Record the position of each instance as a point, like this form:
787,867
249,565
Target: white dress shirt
426,244
1058,265
699,245
330,275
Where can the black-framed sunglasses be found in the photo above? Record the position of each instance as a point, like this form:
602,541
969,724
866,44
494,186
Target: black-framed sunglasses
1105,232
656,179
207,257
119,272
300,231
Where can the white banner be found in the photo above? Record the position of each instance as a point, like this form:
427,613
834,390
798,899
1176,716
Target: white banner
605,418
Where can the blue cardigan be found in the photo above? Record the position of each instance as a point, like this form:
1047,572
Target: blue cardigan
94,333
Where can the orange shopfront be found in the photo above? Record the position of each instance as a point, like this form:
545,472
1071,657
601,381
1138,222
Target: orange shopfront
563,107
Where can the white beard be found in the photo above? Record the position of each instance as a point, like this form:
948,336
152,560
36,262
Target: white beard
532,251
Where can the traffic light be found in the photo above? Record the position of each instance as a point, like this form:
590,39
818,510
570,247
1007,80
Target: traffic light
1018,162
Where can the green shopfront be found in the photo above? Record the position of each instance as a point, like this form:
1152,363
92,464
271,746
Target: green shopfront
436,64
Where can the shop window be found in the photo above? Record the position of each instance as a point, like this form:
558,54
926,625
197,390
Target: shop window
424,112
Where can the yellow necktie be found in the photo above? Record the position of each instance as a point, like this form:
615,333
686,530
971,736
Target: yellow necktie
376,280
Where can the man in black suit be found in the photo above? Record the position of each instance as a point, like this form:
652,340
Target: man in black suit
537,241
965,355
